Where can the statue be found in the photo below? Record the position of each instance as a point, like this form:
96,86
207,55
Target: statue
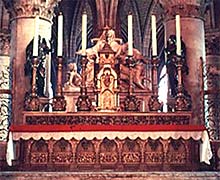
171,63
92,55
43,50
121,50
74,79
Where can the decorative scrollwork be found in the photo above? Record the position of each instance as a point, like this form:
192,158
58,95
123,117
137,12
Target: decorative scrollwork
107,120
5,112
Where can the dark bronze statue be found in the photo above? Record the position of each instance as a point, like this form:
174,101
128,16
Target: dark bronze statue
171,62
43,50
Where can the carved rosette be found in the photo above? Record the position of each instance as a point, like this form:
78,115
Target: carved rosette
25,8
32,103
131,103
154,104
193,8
59,103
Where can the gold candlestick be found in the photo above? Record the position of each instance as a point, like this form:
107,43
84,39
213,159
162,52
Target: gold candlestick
59,102
154,104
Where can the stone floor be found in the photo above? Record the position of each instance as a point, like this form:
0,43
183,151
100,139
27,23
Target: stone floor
15,175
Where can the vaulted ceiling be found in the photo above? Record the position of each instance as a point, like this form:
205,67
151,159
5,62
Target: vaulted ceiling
108,12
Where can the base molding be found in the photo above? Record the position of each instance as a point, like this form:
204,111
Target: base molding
15,175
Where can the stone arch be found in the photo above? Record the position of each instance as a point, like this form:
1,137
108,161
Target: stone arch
39,153
108,153
177,152
85,153
131,152
153,152
62,152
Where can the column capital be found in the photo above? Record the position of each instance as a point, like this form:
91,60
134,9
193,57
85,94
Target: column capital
192,8
30,8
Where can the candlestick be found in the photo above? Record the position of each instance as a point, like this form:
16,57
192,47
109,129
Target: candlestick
130,35
36,32
60,36
154,35
84,33
178,36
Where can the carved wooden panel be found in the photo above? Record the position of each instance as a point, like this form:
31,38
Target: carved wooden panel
39,152
111,154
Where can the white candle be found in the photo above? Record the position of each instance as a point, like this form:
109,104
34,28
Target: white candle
84,33
154,35
60,35
36,32
130,35
178,36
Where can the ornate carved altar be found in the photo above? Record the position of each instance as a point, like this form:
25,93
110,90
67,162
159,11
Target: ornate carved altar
109,117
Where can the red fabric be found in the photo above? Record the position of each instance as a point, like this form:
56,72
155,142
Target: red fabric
74,128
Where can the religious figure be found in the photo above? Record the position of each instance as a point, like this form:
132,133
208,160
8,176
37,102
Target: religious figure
92,55
43,51
171,62
74,78
106,85
121,51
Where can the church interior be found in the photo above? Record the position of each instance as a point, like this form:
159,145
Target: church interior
109,89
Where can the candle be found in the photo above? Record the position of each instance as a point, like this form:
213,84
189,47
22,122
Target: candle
36,32
60,35
130,35
154,35
84,31
178,38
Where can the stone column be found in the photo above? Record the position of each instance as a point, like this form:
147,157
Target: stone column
22,13
193,34
5,82
212,83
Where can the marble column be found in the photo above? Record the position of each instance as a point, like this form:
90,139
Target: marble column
22,13
193,34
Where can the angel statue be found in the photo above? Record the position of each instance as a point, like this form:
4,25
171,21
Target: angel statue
171,62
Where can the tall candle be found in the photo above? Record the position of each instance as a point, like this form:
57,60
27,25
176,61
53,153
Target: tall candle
84,33
154,35
60,35
178,36
130,35
36,32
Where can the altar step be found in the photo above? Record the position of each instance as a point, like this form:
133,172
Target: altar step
16,175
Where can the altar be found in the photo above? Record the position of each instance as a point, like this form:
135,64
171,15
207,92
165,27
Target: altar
107,115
